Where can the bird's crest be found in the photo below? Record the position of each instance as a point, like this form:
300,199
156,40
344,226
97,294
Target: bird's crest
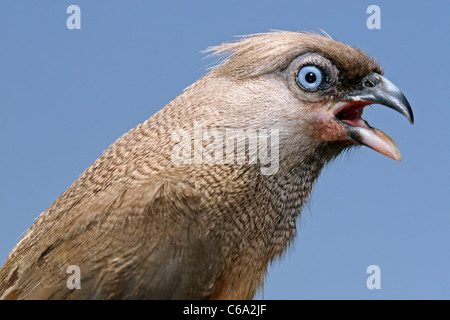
257,54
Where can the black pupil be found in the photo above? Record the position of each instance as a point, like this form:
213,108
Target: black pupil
310,77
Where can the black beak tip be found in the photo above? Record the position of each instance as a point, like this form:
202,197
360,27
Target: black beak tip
411,115
405,108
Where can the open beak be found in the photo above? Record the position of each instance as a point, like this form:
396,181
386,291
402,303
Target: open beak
379,90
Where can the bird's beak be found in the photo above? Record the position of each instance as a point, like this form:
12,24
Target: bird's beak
379,90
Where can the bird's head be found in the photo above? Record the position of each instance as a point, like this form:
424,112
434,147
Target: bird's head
310,85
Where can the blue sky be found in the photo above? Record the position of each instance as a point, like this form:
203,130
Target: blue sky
66,95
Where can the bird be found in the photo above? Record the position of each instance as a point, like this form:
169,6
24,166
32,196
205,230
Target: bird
174,210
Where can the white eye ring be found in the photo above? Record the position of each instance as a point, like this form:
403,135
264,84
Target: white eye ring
310,77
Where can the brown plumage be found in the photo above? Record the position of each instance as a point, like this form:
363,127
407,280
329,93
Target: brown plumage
141,226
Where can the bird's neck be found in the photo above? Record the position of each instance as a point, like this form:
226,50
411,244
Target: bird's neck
269,223
289,189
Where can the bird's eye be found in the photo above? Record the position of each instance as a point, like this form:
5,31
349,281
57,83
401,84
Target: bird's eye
310,77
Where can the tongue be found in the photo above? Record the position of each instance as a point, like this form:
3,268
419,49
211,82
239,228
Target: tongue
356,122
377,140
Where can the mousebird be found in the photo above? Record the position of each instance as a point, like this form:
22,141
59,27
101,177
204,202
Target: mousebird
186,205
